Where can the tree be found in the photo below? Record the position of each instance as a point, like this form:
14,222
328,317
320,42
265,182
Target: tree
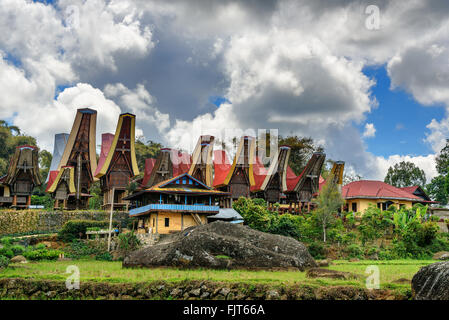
10,138
144,151
329,201
438,189
442,160
301,151
405,174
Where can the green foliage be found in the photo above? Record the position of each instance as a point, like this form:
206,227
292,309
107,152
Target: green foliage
405,174
146,150
83,249
128,242
354,251
328,202
17,249
42,254
76,229
10,138
442,160
254,212
286,225
4,262
105,256
44,200
7,252
6,241
96,201
438,189
301,151
374,224
317,250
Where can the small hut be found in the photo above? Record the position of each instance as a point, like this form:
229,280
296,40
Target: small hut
79,154
240,177
23,175
201,167
117,163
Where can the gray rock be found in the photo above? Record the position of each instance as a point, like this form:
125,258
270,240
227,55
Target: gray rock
175,292
432,282
204,246
195,292
273,295
224,291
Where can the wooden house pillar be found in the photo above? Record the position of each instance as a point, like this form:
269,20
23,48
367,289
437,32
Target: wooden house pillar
14,200
28,200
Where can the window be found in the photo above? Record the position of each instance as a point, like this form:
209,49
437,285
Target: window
167,222
154,222
379,205
354,206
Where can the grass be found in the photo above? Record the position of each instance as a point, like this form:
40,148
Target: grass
112,271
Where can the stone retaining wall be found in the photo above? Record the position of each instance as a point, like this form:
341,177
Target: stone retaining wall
188,289
26,221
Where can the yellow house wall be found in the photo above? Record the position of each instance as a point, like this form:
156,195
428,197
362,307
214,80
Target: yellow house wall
363,204
178,222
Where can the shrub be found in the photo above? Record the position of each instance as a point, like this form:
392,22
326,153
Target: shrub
4,262
76,229
317,250
6,241
79,249
7,252
354,251
18,249
128,242
105,256
285,225
42,254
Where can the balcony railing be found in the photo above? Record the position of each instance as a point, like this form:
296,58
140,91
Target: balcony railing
174,207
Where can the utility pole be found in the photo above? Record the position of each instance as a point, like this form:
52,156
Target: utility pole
110,219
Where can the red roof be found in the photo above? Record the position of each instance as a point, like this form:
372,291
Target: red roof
292,179
149,165
222,165
410,189
106,142
181,162
376,190
259,172
51,177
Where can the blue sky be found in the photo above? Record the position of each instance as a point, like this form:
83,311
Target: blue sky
399,120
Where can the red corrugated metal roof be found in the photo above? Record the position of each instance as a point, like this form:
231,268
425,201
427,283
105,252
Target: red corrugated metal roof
292,179
181,162
149,165
260,173
106,142
222,165
375,189
51,177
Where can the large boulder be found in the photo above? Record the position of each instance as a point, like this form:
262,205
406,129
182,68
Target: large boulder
223,245
432,282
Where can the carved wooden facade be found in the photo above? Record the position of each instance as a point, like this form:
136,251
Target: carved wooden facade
201,167
240,178
169,163
275,181
23,175
307,183
119,166
79,153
